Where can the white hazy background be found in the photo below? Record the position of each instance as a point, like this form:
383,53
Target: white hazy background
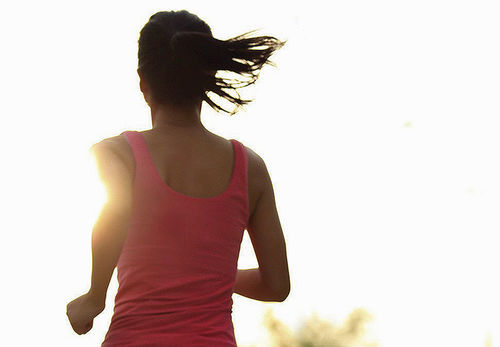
379,127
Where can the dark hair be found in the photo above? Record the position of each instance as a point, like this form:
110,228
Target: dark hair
179,57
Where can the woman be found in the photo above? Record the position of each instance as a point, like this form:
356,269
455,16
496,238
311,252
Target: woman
180,198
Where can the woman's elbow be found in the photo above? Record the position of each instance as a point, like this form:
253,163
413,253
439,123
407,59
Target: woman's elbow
284,294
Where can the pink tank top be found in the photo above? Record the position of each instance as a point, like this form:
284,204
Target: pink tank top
177,268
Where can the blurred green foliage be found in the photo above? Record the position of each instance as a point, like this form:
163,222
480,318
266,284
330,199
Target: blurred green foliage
318,332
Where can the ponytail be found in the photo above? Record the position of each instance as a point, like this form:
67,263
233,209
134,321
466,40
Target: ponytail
184,71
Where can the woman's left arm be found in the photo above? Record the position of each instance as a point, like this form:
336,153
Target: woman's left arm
108,235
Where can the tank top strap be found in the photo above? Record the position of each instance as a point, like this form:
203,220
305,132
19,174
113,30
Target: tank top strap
240,183
240,165
139,149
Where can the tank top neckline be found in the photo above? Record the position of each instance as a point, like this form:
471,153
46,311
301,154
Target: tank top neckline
165,186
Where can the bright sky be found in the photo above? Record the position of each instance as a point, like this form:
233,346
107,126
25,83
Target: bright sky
379,128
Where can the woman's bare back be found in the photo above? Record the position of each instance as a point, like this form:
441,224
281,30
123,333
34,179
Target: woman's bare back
197,165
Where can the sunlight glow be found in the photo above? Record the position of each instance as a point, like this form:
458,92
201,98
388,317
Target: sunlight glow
96,191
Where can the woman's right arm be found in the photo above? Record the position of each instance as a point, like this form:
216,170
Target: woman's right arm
271,280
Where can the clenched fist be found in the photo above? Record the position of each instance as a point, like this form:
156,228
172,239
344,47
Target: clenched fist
82,311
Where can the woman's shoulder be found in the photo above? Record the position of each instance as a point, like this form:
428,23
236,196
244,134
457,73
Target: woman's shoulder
119,145
116,143
256,164
257,177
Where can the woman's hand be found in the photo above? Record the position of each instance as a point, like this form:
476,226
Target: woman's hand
82,311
